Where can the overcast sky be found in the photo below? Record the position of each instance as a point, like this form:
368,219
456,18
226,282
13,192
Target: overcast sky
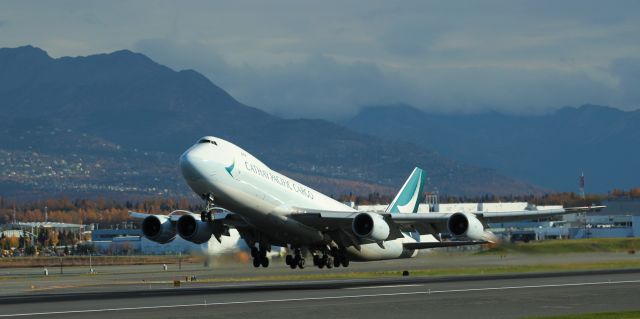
329,58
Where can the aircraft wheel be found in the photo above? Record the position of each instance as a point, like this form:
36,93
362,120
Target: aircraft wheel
336,262
256,262
329,263
264,262
316,260
301,263
288,260
345,262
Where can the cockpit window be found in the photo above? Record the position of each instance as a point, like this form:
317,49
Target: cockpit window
204,140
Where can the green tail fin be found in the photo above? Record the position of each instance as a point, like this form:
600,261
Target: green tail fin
408,198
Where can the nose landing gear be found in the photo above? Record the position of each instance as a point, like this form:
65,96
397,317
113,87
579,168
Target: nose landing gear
206,214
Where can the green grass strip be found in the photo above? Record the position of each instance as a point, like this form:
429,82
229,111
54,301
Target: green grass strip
628,245
458,271
601,315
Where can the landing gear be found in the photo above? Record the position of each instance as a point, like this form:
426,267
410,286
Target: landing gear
336,262
296,260
260,257
328,262
324,257
206,214
335,257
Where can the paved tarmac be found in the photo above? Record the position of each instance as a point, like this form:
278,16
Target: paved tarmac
15,281
499,296
229,289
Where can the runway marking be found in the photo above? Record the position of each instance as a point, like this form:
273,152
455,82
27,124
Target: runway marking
387,286
204,304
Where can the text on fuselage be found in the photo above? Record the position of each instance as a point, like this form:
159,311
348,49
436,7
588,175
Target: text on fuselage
278,179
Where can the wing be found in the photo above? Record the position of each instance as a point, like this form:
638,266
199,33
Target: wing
341,222
339,225
492,217
220,216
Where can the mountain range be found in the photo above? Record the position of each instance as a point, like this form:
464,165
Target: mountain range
115,124
551,150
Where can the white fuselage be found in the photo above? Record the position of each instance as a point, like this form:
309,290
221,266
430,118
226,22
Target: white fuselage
266,199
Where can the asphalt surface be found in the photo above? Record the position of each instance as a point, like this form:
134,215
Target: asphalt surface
499,296
28,281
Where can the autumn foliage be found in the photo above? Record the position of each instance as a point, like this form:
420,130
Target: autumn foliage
111,212
84,211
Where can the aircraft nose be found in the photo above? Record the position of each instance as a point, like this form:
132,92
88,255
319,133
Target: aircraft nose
193,162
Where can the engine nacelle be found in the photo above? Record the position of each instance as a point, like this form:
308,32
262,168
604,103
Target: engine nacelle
370,226
158,228
468,225
193,229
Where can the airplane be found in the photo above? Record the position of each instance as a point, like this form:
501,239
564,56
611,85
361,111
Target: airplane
269,209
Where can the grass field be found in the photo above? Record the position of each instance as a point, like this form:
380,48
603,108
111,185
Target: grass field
602,315
14,262
626,245
455,271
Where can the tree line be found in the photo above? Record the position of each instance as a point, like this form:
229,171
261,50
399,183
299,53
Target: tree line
110,212
102,211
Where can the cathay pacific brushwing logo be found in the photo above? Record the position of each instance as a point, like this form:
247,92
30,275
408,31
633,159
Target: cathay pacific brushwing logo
407,199
229,168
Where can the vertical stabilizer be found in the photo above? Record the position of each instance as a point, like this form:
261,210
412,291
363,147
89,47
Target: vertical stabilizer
408,197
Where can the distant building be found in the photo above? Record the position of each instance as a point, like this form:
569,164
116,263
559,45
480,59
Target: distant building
110,234
31,226
117,241
15,233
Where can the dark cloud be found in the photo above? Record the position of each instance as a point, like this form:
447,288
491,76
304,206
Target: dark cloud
92,19
321,86
311,59
627,71
317,86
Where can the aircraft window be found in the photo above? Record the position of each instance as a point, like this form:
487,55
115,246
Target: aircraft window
204,140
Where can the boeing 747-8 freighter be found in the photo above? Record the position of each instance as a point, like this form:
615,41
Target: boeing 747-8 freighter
268,208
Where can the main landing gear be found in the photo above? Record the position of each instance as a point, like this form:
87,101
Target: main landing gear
259,257
328,258
333,258
296,260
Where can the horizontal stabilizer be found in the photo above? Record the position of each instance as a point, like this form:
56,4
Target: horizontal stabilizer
439,244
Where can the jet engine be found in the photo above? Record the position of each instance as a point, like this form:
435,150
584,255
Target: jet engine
158,228
193,229
468,225
370,226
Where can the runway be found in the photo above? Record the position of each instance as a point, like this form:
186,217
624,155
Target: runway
499,296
